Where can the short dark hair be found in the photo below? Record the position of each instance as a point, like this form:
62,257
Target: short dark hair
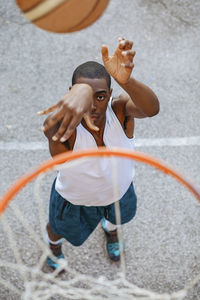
91,69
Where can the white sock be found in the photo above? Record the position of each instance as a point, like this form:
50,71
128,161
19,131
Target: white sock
48,240
109,226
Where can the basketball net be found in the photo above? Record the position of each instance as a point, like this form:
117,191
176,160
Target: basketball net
31,281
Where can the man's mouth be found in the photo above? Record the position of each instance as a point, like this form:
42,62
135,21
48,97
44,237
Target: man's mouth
94,117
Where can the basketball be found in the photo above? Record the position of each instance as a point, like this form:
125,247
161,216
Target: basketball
62,16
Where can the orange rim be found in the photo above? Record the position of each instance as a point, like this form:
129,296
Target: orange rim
102,151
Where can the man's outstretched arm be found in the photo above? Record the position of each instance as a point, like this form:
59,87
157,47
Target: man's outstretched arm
69,111
142,101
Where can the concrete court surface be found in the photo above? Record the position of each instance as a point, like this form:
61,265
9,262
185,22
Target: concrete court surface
163,241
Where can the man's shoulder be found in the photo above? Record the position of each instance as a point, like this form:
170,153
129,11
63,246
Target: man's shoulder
118,105
119,101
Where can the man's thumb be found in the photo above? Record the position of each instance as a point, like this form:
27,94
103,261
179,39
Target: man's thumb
89,122
104,52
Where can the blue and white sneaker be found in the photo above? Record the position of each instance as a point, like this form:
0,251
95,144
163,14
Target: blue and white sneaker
112,244
57,251
52,264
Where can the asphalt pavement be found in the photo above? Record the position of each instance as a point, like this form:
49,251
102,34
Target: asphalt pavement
163,240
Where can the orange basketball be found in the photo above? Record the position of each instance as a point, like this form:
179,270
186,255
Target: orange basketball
62,16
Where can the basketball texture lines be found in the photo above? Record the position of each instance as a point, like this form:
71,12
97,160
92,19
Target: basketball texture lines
62,16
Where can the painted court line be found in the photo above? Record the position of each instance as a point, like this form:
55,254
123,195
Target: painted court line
156,142
170,142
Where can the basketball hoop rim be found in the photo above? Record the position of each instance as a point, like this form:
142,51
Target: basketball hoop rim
98,152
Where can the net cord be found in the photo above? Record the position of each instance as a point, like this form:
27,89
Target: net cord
101,151
46,287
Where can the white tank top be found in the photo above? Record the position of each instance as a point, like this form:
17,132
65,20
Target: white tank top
90,182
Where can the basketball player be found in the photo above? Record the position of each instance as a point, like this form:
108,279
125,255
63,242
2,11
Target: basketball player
88,117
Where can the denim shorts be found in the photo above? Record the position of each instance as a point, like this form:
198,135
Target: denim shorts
76,222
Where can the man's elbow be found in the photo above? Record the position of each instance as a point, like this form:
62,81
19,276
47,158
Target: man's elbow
155,109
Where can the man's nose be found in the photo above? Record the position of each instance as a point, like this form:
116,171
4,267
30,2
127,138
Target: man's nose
93,108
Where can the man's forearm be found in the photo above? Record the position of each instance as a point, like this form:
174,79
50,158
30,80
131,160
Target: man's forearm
142,96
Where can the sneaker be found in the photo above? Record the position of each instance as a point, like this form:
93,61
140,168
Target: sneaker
57,251
112,244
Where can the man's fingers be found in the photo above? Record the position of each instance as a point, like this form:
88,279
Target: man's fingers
125,44
89,122
129,65
52,120
120,39
129,54
60,134
122,44
104,52
48,110
74,122
72,126
129,44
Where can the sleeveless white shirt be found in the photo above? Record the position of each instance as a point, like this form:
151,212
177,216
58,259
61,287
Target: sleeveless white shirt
90,182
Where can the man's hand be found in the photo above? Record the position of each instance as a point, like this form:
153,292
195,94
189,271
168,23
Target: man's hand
70,110
120,64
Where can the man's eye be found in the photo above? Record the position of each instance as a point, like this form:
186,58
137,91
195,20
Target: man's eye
100,98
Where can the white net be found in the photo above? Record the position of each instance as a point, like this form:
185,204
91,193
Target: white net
25,276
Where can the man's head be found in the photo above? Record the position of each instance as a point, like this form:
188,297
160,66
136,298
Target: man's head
95,75
91,69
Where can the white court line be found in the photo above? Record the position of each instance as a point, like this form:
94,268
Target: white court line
23,146
156,142
169,142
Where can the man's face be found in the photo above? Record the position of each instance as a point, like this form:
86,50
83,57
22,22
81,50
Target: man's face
101,96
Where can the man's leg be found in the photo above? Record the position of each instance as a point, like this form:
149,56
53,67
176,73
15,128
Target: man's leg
109,226
55,244
112,243
52,236
128,205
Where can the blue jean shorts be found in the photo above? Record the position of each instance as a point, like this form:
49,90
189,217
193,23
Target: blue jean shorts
76,222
